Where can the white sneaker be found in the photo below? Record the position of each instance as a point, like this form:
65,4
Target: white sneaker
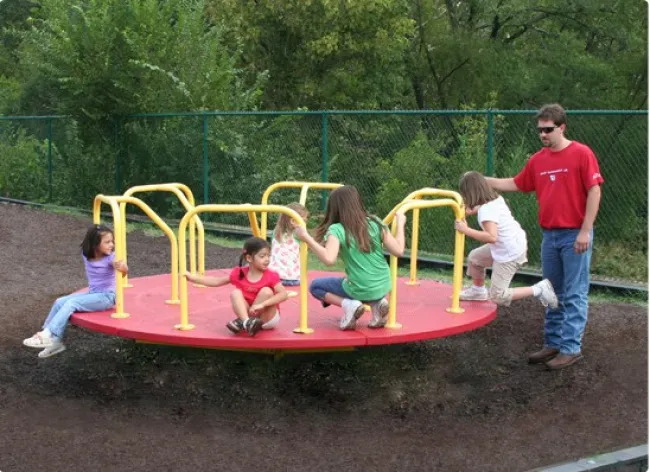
547,296
351,313
474,294
56,347
379,313
39,341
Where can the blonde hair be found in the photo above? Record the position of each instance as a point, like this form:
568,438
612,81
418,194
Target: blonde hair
475,190
283,226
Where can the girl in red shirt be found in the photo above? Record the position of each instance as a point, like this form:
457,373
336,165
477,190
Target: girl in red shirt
258,290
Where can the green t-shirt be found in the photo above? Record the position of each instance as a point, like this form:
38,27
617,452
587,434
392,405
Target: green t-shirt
367,273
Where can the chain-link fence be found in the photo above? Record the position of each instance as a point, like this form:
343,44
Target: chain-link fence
231,157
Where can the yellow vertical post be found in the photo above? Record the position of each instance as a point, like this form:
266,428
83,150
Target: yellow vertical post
119,249
459,252
303,328
122,235
392,301
415,237
184,325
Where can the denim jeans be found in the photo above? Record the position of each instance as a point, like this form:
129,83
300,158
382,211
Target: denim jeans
322,285
64,307
568,271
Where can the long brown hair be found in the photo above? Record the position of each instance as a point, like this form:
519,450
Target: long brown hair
346,207
475,190
283,226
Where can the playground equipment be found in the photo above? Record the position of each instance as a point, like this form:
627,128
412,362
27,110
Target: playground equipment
199,320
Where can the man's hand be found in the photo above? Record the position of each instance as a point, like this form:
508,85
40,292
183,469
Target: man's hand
582,242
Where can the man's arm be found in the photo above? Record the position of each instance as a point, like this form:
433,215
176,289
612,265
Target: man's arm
591,211
502,185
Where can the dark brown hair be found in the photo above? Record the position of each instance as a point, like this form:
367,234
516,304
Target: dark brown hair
553,112
251,247
92,239
346,207
283,226
475,190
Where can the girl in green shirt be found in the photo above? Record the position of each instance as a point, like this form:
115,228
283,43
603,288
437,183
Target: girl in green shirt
347,229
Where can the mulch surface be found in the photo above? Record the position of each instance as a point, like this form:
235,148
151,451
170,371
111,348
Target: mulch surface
468,402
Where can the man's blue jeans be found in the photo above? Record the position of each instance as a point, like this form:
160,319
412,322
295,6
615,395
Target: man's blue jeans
568,271
64,307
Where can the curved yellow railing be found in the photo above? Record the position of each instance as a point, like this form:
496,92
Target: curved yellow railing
304,187
186,198
245,208
415,233
122,200
459,249
119,248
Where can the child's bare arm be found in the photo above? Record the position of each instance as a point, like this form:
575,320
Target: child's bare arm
281,295
395,244
208,281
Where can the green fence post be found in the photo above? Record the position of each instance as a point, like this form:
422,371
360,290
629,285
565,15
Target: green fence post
49,161
490,143
205,160
324,158
116,137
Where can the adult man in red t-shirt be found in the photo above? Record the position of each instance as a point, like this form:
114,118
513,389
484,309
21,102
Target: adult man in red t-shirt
566,179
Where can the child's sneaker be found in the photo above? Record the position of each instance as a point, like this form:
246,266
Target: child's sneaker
352,311
55,348
547,295
253,326
379,313
40,340
235,325
474,294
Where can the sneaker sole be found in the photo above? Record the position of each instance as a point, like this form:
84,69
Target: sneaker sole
474,299
52,352
358,313
233,329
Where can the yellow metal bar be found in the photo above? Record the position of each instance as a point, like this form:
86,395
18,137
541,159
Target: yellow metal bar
174,300
459,246
125,278
252,218
392,323
424,192
304,186
119,248
415,238
245,208
186,198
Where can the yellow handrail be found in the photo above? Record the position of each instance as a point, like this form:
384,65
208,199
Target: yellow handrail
245,208
122,200
119,248
459,249
415,233
304,186
187,200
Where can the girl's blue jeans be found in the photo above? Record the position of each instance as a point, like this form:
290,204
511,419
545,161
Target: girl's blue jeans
64,307
322,285
568,271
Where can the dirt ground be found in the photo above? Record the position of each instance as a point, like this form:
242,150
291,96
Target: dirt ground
465,403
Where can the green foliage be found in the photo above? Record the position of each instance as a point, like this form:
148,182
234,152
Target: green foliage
23,166
101,59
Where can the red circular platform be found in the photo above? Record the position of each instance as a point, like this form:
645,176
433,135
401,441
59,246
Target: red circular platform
421,310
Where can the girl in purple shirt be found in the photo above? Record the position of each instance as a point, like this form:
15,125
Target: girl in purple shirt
99,260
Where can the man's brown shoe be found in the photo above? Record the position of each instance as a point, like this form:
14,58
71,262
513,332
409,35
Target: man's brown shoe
544,355
563,360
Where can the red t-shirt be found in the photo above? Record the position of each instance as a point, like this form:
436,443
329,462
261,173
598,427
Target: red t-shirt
561,181
250,289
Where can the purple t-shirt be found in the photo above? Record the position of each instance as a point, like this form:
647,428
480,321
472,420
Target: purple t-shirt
100,274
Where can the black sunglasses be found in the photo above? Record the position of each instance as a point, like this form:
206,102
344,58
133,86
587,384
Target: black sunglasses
546,129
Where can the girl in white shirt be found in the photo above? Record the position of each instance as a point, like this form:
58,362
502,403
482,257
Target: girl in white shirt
285,248
504,250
